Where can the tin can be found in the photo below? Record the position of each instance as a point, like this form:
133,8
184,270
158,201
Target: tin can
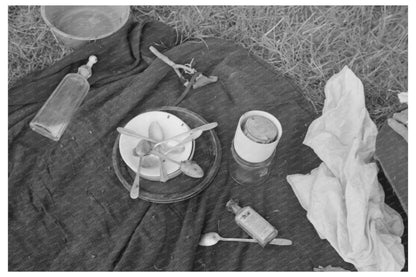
254,147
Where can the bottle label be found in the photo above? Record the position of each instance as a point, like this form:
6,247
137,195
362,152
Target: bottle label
256,226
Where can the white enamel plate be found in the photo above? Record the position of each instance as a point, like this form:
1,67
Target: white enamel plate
172,126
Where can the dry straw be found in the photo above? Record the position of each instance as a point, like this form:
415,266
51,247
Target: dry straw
306,43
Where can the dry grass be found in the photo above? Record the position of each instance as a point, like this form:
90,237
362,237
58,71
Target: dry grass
31,45
308,44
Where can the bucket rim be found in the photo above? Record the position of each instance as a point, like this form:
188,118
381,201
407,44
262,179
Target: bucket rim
66,35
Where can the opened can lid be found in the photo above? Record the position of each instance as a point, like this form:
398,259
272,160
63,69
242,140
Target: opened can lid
260,129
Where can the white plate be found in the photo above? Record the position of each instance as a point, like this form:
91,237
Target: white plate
171,126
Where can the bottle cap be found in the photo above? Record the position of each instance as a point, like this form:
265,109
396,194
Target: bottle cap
232,206
85,70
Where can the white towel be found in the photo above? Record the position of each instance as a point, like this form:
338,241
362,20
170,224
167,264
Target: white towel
343,198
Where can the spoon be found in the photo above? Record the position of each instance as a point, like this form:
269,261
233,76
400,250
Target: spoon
203,128
150,161
132,133
189,168
156,133
213,238
189,138
143,148
178,147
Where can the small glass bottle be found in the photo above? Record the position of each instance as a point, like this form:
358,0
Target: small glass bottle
252,223
55,115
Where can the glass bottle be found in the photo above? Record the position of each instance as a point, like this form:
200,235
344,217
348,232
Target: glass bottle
252,223
247,173
54,116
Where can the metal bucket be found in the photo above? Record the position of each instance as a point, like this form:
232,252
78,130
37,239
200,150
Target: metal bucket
75,26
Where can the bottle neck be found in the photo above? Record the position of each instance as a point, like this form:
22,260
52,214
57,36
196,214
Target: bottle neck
233,206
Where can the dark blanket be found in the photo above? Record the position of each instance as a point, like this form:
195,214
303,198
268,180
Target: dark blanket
392,154
68,210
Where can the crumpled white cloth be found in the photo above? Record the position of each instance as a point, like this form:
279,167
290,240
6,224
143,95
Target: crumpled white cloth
343,198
